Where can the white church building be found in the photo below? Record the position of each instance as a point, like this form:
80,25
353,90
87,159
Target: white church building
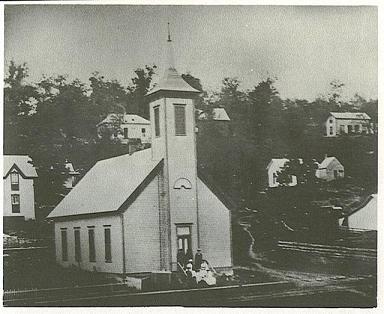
132,213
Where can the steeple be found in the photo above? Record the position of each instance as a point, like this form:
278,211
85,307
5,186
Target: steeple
170,52
172,115
171,80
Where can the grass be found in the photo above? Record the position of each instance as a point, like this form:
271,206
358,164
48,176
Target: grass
29,270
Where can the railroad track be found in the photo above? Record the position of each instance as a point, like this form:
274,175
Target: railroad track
261,294
170,297
329,250
320,297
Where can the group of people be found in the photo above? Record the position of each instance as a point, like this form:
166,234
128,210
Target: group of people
197,272
187,258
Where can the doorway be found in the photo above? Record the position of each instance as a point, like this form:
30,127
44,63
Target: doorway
184,238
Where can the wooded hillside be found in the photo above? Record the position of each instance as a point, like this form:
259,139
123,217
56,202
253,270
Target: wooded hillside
55,119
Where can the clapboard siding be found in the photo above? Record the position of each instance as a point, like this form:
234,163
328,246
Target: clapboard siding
215,228
366,217
141,221
116,266
27,198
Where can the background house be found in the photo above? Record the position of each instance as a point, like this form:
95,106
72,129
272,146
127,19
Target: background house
125,127
339,123
275,166
217,118
18,183
71,175
330,169
218,114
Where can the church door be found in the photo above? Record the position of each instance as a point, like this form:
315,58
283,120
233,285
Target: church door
184,239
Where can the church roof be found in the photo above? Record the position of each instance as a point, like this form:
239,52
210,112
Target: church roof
108,185
172,81
22,162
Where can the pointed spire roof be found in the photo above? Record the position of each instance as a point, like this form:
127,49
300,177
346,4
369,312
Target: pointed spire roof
172,80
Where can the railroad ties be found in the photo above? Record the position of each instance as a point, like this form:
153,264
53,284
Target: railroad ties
329,250
109,296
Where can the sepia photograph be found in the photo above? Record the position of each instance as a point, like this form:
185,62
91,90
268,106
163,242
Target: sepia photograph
190,155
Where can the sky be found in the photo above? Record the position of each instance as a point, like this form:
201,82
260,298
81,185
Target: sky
303,47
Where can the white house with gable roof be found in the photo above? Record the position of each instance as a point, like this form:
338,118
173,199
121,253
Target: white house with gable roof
339,123
130,126
131,214
18,186
330,169
273,169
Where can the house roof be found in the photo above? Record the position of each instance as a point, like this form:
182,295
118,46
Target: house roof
172,81
22,162
219,114
70,168
135,119
350,115
327,161
277,162
110,118
126,118
108,185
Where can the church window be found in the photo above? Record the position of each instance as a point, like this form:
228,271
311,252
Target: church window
125,132
157,121
91,240
182,183
77,245
107,245
143,130
64,245
180,120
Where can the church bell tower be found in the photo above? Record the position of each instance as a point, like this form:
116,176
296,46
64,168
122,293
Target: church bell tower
172,116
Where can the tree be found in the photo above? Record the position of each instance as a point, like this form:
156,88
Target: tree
261,98
334,97
371,108
108,132
107,96
304,171
141,86
19,105
63,108
196,84
193,81
230,97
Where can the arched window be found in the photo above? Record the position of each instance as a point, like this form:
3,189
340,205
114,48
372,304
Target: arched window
182,183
